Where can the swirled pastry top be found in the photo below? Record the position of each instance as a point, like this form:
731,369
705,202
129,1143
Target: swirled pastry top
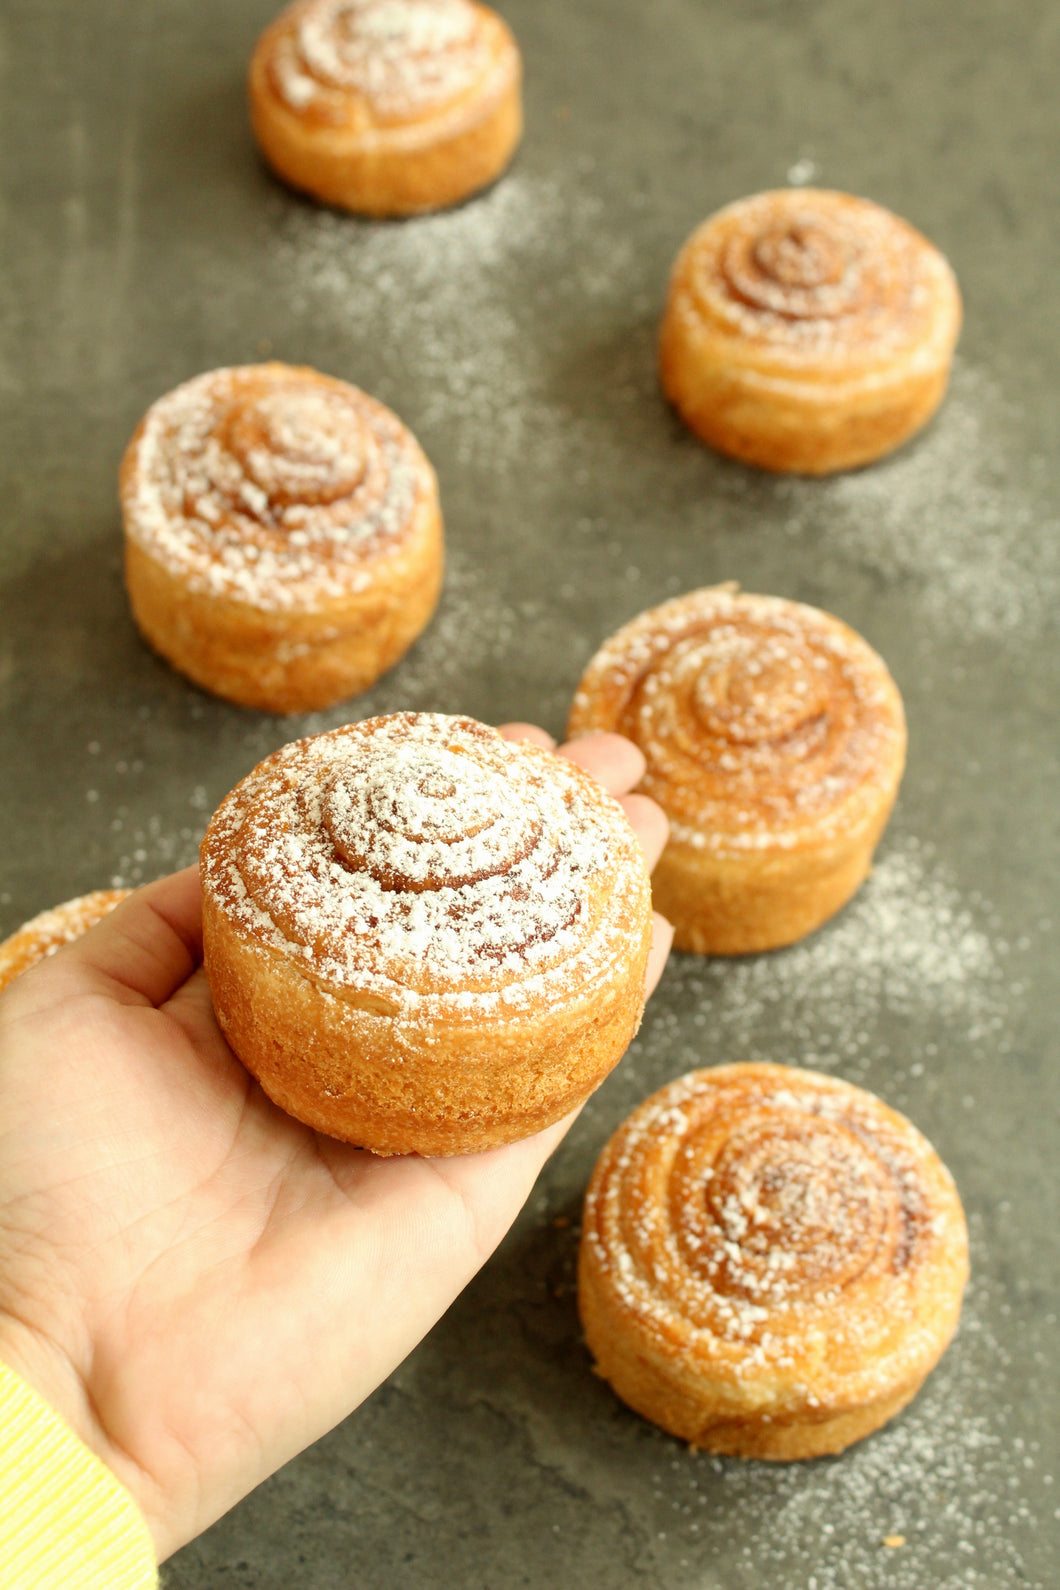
47,932
772,1221
804,277
419,860
385,62
765,723
272,485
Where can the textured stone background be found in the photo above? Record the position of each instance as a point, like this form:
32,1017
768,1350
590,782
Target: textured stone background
144,243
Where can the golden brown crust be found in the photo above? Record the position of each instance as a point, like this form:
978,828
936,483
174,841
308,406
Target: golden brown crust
283,538
421,938
775,741
808,331
387,107
48,932
772,1261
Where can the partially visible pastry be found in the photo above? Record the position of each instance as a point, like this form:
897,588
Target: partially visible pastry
808,331
387,107
283,538
50,930
421,937
772,1261
775,741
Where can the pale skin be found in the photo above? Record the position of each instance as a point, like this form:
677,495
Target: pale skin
199,1284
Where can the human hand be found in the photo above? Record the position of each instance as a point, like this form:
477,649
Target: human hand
197,1282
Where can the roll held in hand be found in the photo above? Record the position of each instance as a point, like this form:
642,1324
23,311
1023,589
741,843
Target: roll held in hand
421,937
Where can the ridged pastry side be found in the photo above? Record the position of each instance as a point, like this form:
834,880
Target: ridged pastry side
772,1261
422,938
283,537
50,930
774,738
387,107
808,331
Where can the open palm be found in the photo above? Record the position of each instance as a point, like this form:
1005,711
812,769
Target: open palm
198,1283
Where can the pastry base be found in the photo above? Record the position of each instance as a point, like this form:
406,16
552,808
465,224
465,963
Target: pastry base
752,901
388,171
397,1084
291,661
791,426
670,1394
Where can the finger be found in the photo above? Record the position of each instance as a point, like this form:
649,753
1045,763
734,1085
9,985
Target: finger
493,1185
528,731
145,949
515,1167
649,823
613,761
191,1007
662,938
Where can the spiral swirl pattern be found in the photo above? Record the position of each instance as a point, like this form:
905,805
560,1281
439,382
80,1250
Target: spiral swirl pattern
271,484
821,272
403,56
423,857
762,721
753,1215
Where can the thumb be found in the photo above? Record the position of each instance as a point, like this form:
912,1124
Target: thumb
141,953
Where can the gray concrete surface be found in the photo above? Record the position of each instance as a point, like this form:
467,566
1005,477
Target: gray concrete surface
144,243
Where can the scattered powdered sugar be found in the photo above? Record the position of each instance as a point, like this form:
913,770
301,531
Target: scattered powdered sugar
460,659
437,293
456,660
937,1498
906,945
451,253
946,519
804,171
155,848
954,1493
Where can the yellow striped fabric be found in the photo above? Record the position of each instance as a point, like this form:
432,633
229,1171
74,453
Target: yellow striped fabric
66,1523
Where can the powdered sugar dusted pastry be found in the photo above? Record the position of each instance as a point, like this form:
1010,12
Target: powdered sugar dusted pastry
422,938
387,107
775,742
808,331
48,932
283,540
772,1261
